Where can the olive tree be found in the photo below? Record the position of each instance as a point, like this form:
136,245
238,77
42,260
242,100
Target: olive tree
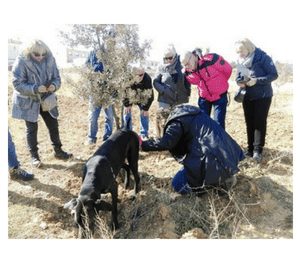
117,46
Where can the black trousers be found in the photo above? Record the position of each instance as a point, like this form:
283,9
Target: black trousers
32,130
256,113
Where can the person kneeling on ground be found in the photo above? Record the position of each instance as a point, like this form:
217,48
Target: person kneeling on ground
209,155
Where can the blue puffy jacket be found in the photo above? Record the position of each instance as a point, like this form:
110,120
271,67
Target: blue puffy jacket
264,70
207,152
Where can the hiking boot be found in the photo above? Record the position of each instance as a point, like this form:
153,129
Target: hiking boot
60,154
257,156
18,173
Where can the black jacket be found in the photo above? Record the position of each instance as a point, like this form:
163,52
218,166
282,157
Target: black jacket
145,84
264,70
207,152
171,84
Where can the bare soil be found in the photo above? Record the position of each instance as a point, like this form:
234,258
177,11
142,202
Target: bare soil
259,206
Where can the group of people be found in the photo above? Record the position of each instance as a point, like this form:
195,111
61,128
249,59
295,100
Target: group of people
208,153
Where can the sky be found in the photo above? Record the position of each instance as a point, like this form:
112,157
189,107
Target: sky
220,39
215,24
271,25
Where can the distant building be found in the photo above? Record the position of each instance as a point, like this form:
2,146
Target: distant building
74,55
13,51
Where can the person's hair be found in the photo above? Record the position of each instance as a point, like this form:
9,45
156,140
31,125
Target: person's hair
170,50
137,69
36,45
247,44
186,57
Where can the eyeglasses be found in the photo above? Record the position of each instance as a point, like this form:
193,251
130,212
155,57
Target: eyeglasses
168,58
36,54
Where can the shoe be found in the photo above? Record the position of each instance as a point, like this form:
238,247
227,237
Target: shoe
144,137
230,182
104,138
60,154
18,173
248,153
257,156
35,160
90,142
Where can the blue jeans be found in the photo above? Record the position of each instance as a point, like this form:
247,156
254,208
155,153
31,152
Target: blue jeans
12,155
180,183
94,113
144,122
220,107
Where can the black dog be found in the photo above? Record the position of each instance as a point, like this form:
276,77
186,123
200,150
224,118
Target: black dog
100,174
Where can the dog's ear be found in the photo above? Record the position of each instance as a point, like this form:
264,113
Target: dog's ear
71,204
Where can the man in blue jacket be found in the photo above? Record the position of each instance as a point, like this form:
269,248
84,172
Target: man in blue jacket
208,154
94,110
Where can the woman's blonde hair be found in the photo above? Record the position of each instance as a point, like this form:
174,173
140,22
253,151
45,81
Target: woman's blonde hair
37,46
170,50
247,44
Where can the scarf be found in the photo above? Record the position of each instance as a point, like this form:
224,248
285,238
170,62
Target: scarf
244,65
172,67
247,62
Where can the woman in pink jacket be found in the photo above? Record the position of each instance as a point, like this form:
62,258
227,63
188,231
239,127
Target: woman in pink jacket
210,73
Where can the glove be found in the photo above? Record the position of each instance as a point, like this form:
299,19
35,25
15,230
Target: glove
42,89
51,88
251,82
140,141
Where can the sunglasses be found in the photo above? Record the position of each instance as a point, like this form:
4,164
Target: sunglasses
36,54
168,58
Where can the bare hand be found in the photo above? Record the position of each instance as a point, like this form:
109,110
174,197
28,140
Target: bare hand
145,113
251,82
242,85
127,109
42,89
51,88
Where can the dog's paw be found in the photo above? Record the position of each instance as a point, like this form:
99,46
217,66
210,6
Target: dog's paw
137,188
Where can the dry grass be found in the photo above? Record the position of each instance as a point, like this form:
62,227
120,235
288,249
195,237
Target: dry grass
259,206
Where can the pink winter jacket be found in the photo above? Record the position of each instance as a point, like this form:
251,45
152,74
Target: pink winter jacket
211,76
